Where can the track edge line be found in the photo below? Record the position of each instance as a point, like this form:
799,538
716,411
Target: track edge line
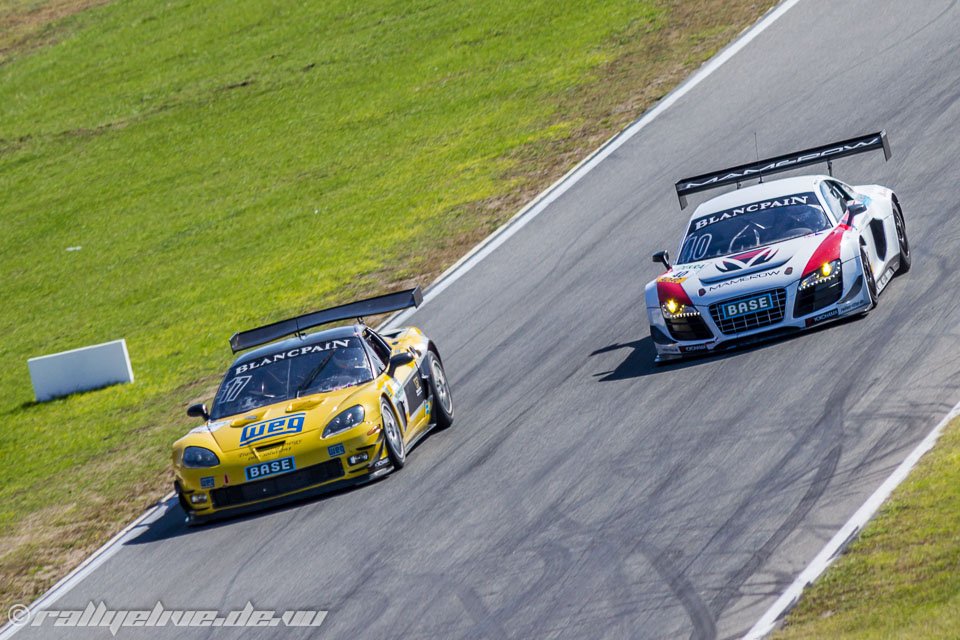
833,549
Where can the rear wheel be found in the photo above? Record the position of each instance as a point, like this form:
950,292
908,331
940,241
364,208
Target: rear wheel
905,258
868,277
392,436
440,390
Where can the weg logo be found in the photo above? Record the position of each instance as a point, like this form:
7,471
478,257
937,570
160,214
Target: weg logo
745,260
272,428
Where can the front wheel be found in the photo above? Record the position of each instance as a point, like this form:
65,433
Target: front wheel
905,257
440,390
396,450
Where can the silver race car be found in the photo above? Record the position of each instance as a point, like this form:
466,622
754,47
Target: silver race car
776,257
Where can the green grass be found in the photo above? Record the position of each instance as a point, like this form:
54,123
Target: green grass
901,577
225,164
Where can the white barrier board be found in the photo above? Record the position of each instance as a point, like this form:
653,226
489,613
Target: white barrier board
60,374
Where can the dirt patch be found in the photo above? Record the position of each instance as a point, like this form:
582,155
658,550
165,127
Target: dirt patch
24,27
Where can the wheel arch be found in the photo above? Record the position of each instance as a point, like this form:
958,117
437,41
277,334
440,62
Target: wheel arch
432,348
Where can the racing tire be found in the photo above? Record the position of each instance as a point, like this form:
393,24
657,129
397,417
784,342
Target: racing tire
440,390
184,503
905,257
870,280
392,436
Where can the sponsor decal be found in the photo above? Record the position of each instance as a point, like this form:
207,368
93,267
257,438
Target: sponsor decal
826,316
673,279
272,428
274,467
756,169
885,278
693,347
335,450
677,277
833,313
744,307
753,276
745,260
207,482
292,353
726,214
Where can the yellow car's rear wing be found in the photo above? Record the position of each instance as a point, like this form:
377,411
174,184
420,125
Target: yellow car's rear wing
787,162
370,307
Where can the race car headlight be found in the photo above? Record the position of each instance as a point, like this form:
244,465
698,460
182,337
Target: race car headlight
672,309
826,273
198,457
344,420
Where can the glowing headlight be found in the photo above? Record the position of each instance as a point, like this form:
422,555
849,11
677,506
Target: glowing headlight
344,420
828,272
673,309
198,457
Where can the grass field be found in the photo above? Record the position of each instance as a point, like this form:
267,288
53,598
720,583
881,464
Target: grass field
212,166
901,577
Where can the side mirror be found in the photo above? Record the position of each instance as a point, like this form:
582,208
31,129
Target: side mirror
198,411
400,359
856,208
662,256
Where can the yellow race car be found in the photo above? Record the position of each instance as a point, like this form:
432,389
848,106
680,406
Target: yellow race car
313,412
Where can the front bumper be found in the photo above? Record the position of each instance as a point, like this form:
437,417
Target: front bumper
854,298
320,467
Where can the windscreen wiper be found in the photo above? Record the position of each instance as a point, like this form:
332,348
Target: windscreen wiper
313,374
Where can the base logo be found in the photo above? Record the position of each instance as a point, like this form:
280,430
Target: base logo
281,465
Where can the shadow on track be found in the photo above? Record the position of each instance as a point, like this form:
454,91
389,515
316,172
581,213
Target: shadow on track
172,522
640,363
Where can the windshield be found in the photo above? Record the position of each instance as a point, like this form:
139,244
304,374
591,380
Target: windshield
300,371
752,225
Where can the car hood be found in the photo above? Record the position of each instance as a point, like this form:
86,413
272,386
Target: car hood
774,265
274,423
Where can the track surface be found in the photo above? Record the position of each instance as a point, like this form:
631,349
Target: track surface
584,492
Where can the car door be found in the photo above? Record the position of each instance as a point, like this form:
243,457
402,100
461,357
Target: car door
410,391
867,224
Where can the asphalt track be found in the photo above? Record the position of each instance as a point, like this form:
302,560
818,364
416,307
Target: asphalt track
583,492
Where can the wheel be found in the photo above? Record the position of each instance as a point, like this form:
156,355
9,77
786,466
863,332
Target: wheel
905,258
396,450
868,276
184,504
440,390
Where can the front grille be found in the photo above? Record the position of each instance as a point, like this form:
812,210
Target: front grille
753,320
269,487
688,328
818,296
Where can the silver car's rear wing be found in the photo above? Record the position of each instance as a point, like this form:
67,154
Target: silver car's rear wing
826,153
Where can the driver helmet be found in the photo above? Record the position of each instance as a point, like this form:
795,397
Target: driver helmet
799,217
348,358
